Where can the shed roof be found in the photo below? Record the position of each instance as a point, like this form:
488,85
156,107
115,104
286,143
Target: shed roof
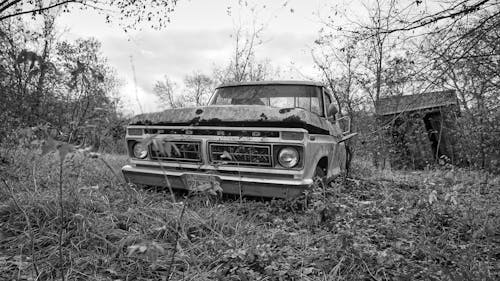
398,104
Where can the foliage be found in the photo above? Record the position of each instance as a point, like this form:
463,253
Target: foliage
440,223
436,224
405,47
65,85
473,69
129,13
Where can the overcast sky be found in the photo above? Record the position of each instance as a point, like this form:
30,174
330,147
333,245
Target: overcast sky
198,38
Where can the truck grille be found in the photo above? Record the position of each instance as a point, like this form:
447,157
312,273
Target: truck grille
214,132
183,151
241,154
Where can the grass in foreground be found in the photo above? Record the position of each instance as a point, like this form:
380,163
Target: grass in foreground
430,225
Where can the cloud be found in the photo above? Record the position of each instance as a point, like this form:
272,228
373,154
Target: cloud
285,47
136,100
178,53
197,39
172,53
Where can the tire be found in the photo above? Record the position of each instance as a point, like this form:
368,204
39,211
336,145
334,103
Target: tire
319,176
348,159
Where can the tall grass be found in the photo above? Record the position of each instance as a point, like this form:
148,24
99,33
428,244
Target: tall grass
438,224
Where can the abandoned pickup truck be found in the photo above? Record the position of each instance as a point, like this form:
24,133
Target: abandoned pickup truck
269,139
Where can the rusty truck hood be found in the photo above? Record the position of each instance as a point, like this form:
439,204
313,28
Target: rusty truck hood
236,116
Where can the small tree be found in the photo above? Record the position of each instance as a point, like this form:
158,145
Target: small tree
198,88
248,31
164,90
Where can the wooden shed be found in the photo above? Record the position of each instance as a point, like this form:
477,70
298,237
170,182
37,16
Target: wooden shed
418,128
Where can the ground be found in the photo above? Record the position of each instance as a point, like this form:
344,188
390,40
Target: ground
438,224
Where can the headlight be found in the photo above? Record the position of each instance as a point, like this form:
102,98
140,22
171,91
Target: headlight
288,157
140,150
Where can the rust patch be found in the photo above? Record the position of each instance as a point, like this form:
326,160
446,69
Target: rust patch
293,119
285,110
236,116
195,120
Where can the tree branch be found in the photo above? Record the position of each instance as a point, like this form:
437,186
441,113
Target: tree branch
3,8
425,21
40,9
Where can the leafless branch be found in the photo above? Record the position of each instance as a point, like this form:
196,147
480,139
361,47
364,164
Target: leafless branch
39,9
450,13
5,5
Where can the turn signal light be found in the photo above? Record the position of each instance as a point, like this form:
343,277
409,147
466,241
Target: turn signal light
292,135
134,132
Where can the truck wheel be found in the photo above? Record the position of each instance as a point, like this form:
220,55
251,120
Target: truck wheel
348,158
319,176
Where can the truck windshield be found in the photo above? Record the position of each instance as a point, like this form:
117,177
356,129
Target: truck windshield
281,96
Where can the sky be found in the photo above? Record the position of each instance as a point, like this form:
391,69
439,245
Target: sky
198,37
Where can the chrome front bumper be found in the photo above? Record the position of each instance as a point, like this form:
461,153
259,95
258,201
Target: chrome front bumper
231,184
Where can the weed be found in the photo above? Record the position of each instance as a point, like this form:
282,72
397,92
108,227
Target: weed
438,224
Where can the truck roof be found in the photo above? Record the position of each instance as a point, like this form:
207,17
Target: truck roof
277,82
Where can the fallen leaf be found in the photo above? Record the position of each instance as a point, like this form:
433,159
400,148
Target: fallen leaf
433,197
49,145
136,248
308,270
226,155
64,149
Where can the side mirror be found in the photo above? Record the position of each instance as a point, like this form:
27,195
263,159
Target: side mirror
332,111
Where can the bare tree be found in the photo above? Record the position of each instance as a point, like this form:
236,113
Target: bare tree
377,42
248,30
164,90
473,70
48,37
419,19
353,58
438,11
244,51
337,66
199,87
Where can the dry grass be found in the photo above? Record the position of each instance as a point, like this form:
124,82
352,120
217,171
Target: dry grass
441,224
